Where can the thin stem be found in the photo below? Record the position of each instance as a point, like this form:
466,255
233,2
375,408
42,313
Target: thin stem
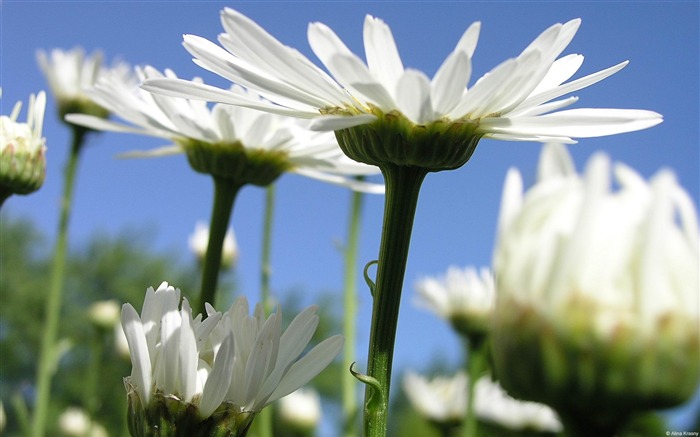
350,308
47,358
402,189
225,192
476,364
266,264
263,421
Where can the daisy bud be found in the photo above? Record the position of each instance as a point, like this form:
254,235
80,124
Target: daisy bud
597,312
22,149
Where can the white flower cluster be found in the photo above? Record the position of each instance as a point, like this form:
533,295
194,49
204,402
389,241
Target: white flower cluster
232,357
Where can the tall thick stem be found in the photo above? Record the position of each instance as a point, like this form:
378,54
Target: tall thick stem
402,190
350,309
225,192
47,358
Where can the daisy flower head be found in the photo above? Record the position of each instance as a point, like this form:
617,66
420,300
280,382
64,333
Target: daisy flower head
22,149
199,240
199,376
70,73
234,143
463,297
386,113
598,290
441,399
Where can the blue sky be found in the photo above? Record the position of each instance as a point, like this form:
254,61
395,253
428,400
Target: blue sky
456,216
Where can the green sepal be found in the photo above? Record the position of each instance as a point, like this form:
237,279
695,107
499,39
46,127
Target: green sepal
393,139
169,416
22,172
235,162
589,378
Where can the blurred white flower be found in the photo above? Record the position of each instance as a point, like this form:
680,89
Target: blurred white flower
76,422
511,102
493,404
70,74
105,313
598,289
231,360
3,419
253,136
22,149
301,409
441,399
463,297
199,241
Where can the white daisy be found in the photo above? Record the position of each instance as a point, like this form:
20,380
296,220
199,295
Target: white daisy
70,73
463,297
514,101
234,361
185,122
199,240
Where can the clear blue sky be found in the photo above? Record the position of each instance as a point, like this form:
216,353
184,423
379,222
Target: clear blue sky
457,210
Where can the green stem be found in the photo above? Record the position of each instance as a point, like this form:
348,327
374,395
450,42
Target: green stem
225,192
47,358
350,307
263,420
266,264
476,364
402,190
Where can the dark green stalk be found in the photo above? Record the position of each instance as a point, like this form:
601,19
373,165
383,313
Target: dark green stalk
48,361
225,192
402,189
350,308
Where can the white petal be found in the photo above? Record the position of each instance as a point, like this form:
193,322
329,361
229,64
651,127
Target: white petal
219,378
555,161
476,98
138,349
547,95
98,123
413,97
188,356
581,123
308,367
353,74
470,37
193,90
338,122
153,153
382,56
353,184
450,82
288,64
561,70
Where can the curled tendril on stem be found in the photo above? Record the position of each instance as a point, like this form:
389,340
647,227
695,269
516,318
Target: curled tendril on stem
375,402
368,280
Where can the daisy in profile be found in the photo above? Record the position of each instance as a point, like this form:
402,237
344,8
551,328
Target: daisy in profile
404,122
22,149
236,146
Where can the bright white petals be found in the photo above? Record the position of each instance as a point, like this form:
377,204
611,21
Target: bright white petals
519,88
231,357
